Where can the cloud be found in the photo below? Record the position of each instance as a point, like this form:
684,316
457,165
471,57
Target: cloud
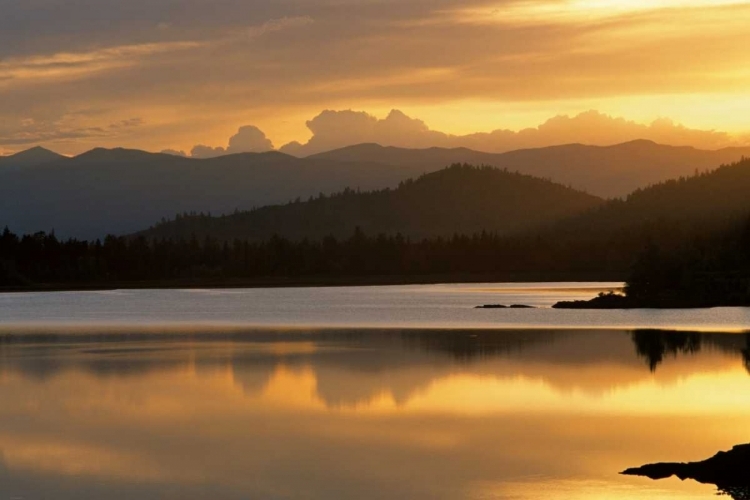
203,151
336,129
278,25
173,152
72,65
65,65
65,127
190,67
248,139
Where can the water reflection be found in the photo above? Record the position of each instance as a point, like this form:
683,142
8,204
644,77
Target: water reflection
363,413
655,345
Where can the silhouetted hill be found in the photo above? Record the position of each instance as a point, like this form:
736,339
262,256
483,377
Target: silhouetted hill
709,199
459,199
119,191
29,158
670,216
611,171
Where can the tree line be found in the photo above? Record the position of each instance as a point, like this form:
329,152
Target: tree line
42,258
708,270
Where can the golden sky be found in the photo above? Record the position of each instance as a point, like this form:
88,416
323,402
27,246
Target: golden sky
157,74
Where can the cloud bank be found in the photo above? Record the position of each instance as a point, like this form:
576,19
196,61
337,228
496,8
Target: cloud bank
248,139
188,67
337,129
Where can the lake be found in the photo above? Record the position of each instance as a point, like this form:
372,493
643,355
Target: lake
357,392
411,306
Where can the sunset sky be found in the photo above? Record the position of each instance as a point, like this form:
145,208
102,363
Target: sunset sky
172,74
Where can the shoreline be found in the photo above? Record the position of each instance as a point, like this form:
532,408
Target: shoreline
618,302
319,281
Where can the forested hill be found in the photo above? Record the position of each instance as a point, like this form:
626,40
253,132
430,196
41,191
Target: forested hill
119,191
705,200
458,200
607,171
668,215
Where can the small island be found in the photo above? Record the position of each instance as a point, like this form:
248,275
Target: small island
501,306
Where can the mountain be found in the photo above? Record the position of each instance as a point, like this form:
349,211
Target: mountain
673,238
547,226
671,216
707,199
458,200
120,191
609,171
29,158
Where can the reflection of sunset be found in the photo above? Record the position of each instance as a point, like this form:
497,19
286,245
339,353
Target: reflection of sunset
74,459
531,424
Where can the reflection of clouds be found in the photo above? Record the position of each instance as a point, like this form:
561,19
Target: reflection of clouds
358,417
352,368
74,459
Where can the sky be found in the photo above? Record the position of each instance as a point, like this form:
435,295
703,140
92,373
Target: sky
259,74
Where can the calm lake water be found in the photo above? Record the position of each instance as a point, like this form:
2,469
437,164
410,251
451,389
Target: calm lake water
418,306
366,393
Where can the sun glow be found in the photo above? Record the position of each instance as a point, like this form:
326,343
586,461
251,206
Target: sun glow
581,10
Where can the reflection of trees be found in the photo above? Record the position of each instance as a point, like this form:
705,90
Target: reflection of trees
654,345
735,492
470,345
746,353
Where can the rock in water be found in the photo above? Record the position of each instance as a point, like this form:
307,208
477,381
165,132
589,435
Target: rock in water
729,470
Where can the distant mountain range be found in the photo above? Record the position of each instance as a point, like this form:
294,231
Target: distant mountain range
29,158
457,200
121,191
540,225
704,199
606,171
468,200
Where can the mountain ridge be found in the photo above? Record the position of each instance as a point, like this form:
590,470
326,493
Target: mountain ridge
29,158
460,199
120,191
607,171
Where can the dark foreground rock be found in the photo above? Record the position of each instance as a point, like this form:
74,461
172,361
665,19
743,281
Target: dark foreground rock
728,470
